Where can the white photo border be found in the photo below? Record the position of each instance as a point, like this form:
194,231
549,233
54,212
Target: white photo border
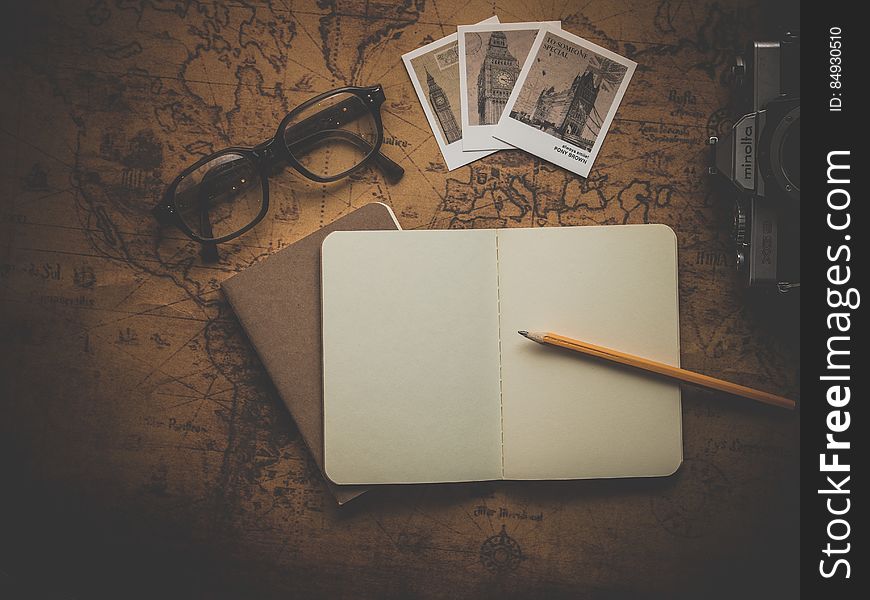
453,155
479,137
539,143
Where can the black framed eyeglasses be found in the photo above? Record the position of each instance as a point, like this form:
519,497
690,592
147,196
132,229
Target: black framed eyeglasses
327,138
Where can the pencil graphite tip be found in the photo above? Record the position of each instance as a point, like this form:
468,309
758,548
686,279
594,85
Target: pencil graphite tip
532,335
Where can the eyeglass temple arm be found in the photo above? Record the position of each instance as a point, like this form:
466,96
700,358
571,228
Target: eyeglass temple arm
391,169
310,132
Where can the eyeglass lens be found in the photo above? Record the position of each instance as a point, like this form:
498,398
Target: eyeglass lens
220,197
332,136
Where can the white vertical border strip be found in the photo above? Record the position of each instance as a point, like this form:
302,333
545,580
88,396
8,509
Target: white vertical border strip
542,144
453,155
479,137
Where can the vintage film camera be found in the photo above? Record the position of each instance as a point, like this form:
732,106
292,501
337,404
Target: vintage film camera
760,156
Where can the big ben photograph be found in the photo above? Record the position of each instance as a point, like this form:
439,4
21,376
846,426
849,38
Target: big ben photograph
437,72
491,57
495,78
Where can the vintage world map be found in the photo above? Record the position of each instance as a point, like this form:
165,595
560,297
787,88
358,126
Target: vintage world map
130,390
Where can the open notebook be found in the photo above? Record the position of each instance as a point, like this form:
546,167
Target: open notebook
425,378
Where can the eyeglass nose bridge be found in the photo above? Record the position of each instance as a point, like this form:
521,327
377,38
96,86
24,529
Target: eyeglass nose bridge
271,155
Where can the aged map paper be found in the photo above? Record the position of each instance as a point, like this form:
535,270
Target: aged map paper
132,405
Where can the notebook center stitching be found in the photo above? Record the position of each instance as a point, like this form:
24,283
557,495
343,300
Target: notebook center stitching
498,312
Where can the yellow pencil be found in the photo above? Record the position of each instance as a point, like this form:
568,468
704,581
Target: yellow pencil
652,366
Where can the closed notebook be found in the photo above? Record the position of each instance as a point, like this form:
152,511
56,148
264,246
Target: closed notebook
277,302
425,378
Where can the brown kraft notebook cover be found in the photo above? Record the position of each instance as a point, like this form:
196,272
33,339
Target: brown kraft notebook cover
277,302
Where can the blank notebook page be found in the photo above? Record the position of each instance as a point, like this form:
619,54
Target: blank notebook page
410,357
570,416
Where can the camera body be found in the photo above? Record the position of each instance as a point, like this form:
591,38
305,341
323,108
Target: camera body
760,156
